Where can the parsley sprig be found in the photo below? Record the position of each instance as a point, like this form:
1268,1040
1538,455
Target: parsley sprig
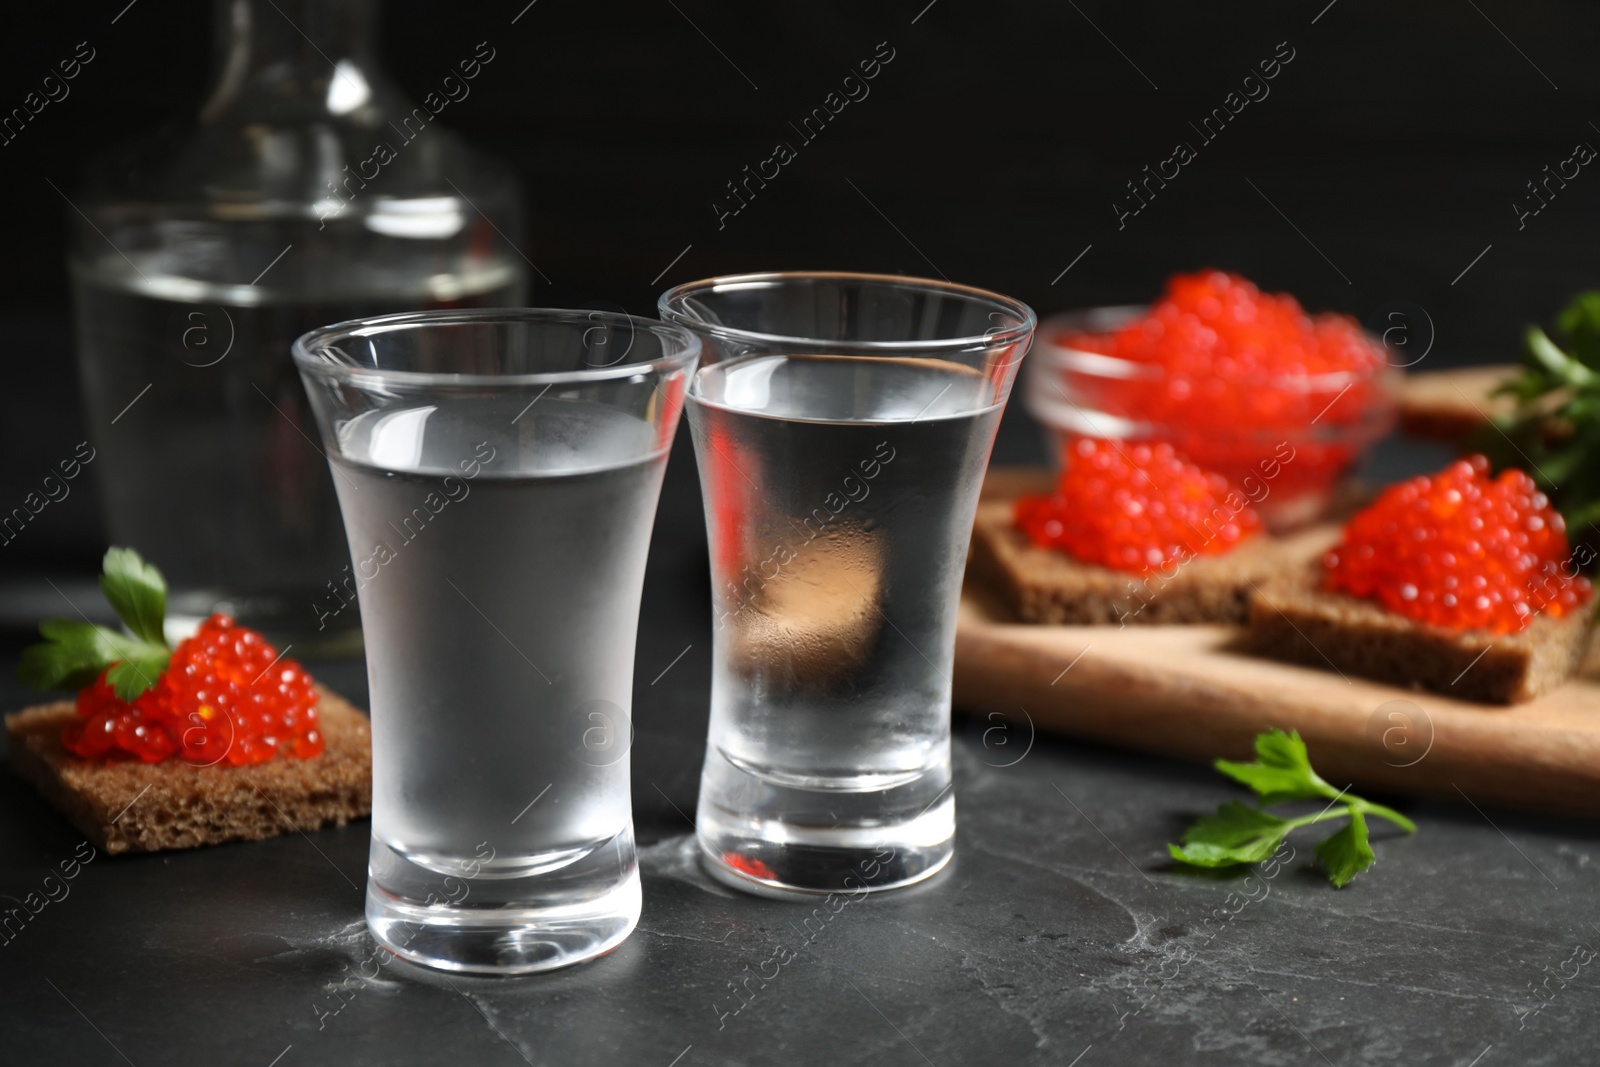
74,651
1556,425
1281,772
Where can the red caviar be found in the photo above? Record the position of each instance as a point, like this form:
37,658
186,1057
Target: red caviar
1460,550
1233,370
225,697
1133,506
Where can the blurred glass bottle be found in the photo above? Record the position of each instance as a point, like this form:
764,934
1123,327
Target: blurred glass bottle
311,191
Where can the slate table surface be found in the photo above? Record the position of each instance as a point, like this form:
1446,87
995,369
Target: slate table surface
1061,933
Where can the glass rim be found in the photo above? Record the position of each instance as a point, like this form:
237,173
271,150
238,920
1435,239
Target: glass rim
1027,320
310,353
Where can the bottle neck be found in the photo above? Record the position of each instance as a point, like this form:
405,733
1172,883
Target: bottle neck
321,51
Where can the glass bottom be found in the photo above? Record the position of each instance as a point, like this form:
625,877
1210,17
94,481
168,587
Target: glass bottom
763,835
483,923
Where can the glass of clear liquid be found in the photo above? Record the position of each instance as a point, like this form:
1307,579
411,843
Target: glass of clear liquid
498,473
842,425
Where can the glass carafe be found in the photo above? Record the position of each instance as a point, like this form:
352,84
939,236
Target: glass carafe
310,191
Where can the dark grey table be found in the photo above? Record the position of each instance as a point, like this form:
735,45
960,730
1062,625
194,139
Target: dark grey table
1061,934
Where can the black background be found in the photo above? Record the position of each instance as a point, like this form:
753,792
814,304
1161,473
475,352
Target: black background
1387,156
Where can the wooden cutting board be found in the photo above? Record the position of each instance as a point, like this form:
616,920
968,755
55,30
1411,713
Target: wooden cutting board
1189,691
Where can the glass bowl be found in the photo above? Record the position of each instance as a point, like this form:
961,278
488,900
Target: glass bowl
1286,442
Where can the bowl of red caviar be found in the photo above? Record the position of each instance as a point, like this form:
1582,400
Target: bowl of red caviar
1281,403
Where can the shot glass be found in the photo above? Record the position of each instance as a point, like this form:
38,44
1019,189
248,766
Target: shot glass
498,472
842,425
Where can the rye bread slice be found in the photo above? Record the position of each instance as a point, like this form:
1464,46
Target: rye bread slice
1042,585
1292,618
1454,406
131,806
1449,406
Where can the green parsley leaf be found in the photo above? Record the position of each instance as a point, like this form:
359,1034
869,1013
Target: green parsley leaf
1235,834
1346,854
73,657
1281,771
133,674
1580,324
74,653
137,592
1564,368
1239,834
1554,433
